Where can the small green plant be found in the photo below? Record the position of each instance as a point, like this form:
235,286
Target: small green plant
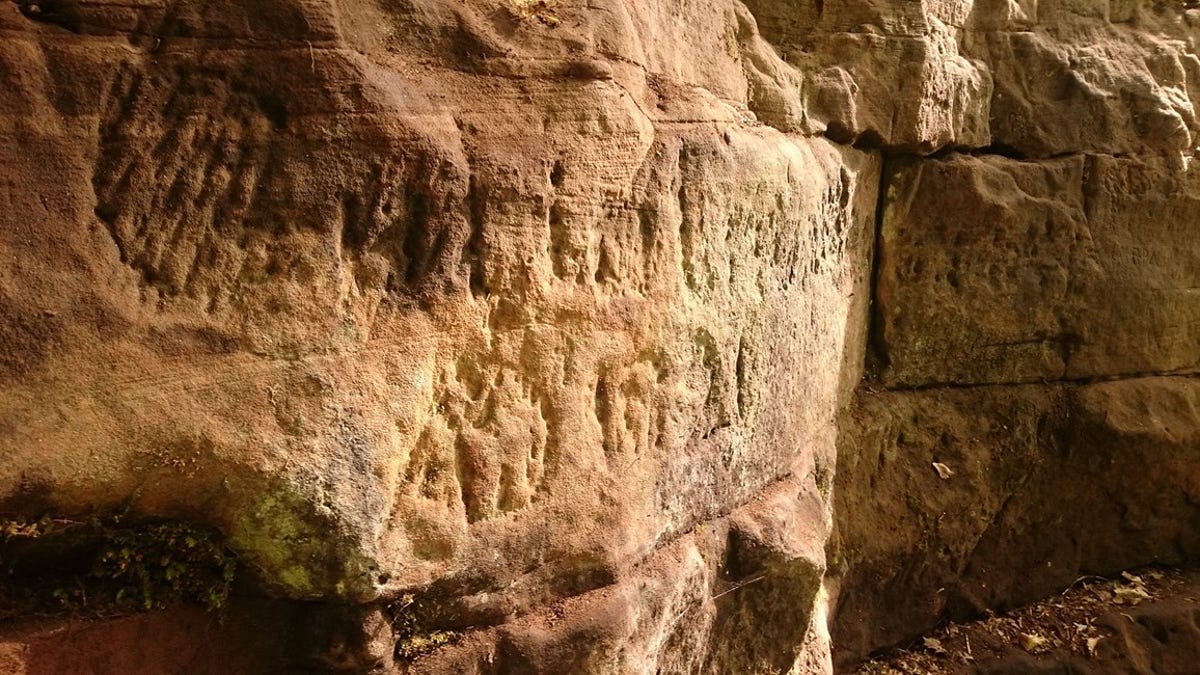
823,477
416,645
412,640
165,563
108,566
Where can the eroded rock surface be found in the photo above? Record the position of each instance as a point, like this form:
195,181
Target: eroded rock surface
525,331
1049,483
452,301
1031,416
996,271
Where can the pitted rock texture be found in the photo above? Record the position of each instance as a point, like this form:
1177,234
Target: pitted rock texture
543,317
1049,483
443,300
996,270
1030,415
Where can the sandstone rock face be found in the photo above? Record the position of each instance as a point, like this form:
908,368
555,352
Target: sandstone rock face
437,300
1032,414
1050,482
535,324
996,270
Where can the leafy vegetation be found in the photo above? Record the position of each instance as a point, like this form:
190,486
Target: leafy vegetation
412,639
110,567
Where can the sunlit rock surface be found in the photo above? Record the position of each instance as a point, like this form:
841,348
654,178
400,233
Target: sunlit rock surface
529,336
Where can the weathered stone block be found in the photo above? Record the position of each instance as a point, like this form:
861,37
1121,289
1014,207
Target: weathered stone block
997,270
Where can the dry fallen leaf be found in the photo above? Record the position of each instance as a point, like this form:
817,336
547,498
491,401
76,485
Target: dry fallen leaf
934,645
942,470
1130,595
1091,645
1032,643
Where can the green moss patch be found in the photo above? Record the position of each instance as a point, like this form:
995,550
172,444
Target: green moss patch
295,551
